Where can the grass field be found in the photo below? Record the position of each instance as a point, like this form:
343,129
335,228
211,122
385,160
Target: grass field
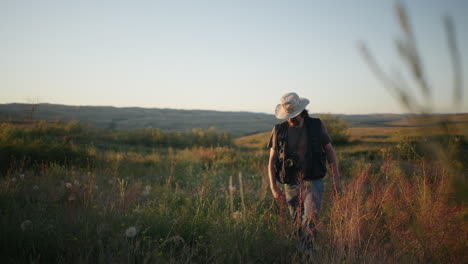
74,194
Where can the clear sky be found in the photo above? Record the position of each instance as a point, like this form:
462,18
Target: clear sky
219,55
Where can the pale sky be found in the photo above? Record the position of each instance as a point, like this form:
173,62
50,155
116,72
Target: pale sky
219,55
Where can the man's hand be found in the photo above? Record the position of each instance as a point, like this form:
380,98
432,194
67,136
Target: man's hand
336,187
333,162
277,194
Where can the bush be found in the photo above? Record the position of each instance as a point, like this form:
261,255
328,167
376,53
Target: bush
69,142
337,128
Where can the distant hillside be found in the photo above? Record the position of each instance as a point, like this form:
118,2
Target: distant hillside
236,123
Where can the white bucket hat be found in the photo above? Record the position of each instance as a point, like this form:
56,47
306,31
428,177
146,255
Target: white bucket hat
290,106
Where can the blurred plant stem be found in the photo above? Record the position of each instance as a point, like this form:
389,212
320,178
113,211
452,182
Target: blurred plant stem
408,51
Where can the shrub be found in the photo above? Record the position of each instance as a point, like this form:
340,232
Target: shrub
337,128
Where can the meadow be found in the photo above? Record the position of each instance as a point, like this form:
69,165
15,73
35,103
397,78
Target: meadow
72,193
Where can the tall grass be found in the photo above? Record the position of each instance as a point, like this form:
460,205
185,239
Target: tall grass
145,202
129,211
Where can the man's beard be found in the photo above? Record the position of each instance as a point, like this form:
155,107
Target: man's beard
293,122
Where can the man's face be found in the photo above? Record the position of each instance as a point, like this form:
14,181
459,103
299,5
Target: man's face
295,121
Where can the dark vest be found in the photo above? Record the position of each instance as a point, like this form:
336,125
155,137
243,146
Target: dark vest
286,168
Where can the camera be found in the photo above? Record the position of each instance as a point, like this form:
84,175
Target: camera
289,163
292,162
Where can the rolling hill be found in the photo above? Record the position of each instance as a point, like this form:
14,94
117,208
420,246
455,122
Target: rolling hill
236,123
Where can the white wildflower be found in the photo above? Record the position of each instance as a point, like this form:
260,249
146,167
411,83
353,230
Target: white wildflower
77,183
236,215
146,191
26,225
72,197
22,176
35,188
68,185
131,232
176,240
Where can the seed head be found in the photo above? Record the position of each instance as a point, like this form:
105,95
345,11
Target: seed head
26,225
72,197
236,215
176,240
131,232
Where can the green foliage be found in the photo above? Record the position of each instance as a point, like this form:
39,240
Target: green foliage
337,128
139,204
42,143
417,147
155,137
74,143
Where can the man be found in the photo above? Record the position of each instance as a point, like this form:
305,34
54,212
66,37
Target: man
298,149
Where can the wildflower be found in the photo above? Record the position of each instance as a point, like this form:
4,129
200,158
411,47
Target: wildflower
76,182
176,240
13,180
22,176
26,225
72,197
146,191
96,187
236,215
131,232
35,188
68,185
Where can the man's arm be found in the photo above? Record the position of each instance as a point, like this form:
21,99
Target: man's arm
271,174
333,162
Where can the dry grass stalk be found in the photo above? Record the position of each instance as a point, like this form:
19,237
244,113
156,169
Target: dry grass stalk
122,187
231,195
89,190
456,62
173,160
241,189
408,51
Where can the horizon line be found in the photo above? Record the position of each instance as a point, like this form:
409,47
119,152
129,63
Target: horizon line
231,111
